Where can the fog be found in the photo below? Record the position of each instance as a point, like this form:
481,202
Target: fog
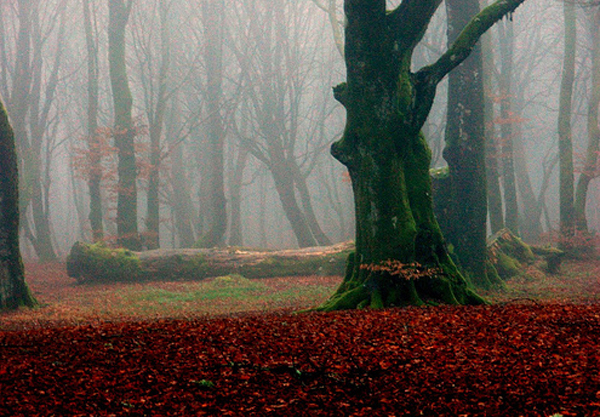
232,102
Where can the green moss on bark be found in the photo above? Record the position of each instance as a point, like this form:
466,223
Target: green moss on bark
14,292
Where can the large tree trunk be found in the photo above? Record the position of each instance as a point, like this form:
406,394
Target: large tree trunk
400,257
124,130
13,289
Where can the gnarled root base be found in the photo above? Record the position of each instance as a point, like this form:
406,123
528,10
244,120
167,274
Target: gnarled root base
375,289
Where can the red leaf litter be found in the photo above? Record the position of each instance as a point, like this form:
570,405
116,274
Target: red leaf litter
515,358
511,360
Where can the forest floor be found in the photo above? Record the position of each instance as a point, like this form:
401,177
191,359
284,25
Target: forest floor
231,346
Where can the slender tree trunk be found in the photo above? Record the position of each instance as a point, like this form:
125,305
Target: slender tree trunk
565,141
95,156
214,20
156,118
307,207
124,129
511,216
235,199
494,196
465,153
283,178
181,203
14,292
590,169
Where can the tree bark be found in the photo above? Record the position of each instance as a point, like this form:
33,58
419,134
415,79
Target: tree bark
465,154
14,292
565,140
511,208
494,196
156,118
181,202
124,129
236,237
400,256
213,13
95,156
590,169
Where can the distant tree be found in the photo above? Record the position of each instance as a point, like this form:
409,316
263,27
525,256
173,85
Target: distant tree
565,139
152,47
14,292
494,194
273,58
124,129
31,91
509,185
215,212
400,255
95,170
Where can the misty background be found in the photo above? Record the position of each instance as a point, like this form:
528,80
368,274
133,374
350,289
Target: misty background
253,78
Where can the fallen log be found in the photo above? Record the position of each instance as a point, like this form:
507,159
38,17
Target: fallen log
100,263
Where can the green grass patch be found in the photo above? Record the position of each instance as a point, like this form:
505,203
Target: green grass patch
230,287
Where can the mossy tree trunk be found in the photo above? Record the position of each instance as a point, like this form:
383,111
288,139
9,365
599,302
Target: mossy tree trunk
124,129
388,159
465,154
14,292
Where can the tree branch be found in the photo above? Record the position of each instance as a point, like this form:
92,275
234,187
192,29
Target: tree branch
468,38
408,22
427,78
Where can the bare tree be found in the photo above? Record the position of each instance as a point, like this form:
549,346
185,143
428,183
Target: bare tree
124,129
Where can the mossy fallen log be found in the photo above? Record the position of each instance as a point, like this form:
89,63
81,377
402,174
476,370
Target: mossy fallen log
100,263
510,255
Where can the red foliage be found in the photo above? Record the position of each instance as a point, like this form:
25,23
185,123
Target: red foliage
504,360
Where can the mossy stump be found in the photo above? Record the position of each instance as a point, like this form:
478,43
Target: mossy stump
510,255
